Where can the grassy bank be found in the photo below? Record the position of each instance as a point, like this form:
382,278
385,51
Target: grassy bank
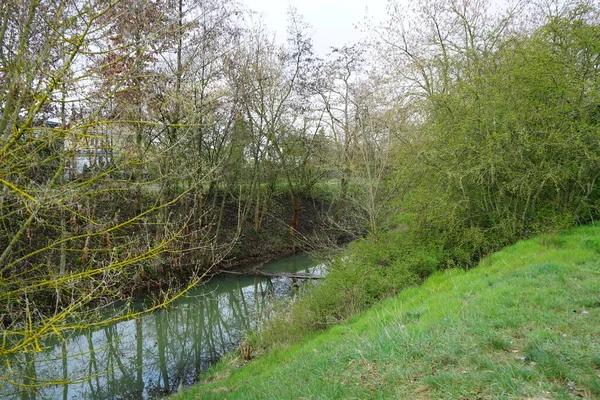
523,324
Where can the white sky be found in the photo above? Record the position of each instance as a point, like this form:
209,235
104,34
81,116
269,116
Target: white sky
333,21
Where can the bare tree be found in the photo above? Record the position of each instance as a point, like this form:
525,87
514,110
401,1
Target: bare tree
84,212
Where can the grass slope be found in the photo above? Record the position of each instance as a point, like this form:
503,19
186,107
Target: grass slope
524,324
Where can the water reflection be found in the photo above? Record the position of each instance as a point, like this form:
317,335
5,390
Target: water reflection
152,355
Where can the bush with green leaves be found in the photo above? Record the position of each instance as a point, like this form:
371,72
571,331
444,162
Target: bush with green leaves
509,143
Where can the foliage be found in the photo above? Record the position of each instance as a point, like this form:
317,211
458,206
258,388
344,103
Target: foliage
509,144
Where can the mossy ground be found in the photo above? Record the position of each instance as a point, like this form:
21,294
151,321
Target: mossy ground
524,324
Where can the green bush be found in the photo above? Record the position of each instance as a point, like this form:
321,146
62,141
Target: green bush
368,272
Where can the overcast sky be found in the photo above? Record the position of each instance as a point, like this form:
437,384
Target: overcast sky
333,21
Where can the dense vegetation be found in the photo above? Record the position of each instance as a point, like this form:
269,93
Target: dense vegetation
144,143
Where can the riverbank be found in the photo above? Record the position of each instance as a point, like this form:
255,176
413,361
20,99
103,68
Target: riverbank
523,324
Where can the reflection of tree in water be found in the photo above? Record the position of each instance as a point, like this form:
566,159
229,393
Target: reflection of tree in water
151,355
30,375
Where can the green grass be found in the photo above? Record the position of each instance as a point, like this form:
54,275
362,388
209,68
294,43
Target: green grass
524,324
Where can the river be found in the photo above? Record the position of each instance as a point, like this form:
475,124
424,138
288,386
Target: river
157,353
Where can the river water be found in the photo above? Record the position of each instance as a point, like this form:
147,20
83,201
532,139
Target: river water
159,352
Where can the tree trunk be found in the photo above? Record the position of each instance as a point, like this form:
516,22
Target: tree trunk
339,209
295,216
257,218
